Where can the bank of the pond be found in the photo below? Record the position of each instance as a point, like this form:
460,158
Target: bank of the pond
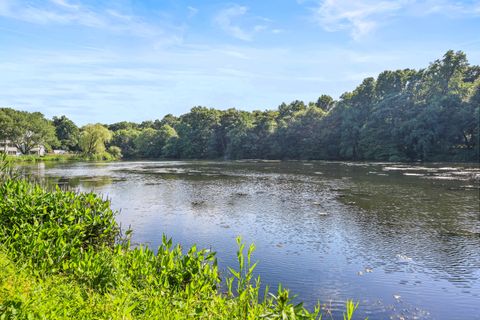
62,256
60,158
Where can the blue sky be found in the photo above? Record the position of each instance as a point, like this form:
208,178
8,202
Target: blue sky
107,61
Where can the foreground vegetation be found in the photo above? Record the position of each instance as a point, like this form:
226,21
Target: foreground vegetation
432,114
62,256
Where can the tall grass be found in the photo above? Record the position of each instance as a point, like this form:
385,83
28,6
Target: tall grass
104,156
62,256
47,157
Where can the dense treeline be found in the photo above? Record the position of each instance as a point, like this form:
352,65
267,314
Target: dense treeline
431,114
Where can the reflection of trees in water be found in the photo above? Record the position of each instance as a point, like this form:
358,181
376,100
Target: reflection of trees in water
84,182
95,182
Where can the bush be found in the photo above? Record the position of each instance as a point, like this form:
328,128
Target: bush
115,152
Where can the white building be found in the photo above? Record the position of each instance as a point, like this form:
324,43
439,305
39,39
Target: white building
40,150
7,147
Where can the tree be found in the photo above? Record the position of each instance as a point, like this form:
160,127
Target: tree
152,143
67,133
288,110
93,139
325,102
170,139
115,152
6,126
123,125
196,133
169,119
303,132
125,140
147,144
28,130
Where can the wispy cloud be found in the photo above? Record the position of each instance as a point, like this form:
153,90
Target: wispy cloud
63,12
362,17
359,17
447,8
236,21
225,19
192,11
58,12
66,4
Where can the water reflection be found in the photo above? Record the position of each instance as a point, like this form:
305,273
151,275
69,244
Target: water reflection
403,240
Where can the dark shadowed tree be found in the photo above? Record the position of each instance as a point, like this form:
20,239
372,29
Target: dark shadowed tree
67,133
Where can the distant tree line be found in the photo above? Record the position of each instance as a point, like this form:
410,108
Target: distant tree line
431,114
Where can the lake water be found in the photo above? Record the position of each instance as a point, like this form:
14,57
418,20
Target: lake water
402,240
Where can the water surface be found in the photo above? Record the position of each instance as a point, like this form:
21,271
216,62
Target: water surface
403,240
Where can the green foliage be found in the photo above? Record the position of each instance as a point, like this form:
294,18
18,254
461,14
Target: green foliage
325,102
67,133
153,143
26,130
93,139
48,228
403,115
351,307
62,256
125,140
196,133
104,156
6,125
431,114
115,152
124,125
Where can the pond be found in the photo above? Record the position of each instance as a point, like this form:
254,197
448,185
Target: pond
403,240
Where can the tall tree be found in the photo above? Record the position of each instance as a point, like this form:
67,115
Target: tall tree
30,130
125,140
67,133
6,125
196,133
93,139
325,102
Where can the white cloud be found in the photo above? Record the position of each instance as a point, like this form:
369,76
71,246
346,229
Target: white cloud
225,20
447,8
238,23
65,4
192,11
359,17
63,12
259,27
362,17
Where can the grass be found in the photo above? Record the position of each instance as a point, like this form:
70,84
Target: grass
63,256
47,157
105,156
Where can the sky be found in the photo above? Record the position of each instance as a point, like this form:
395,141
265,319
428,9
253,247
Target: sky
115,60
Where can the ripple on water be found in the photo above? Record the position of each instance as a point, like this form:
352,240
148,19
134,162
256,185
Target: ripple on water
412,231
